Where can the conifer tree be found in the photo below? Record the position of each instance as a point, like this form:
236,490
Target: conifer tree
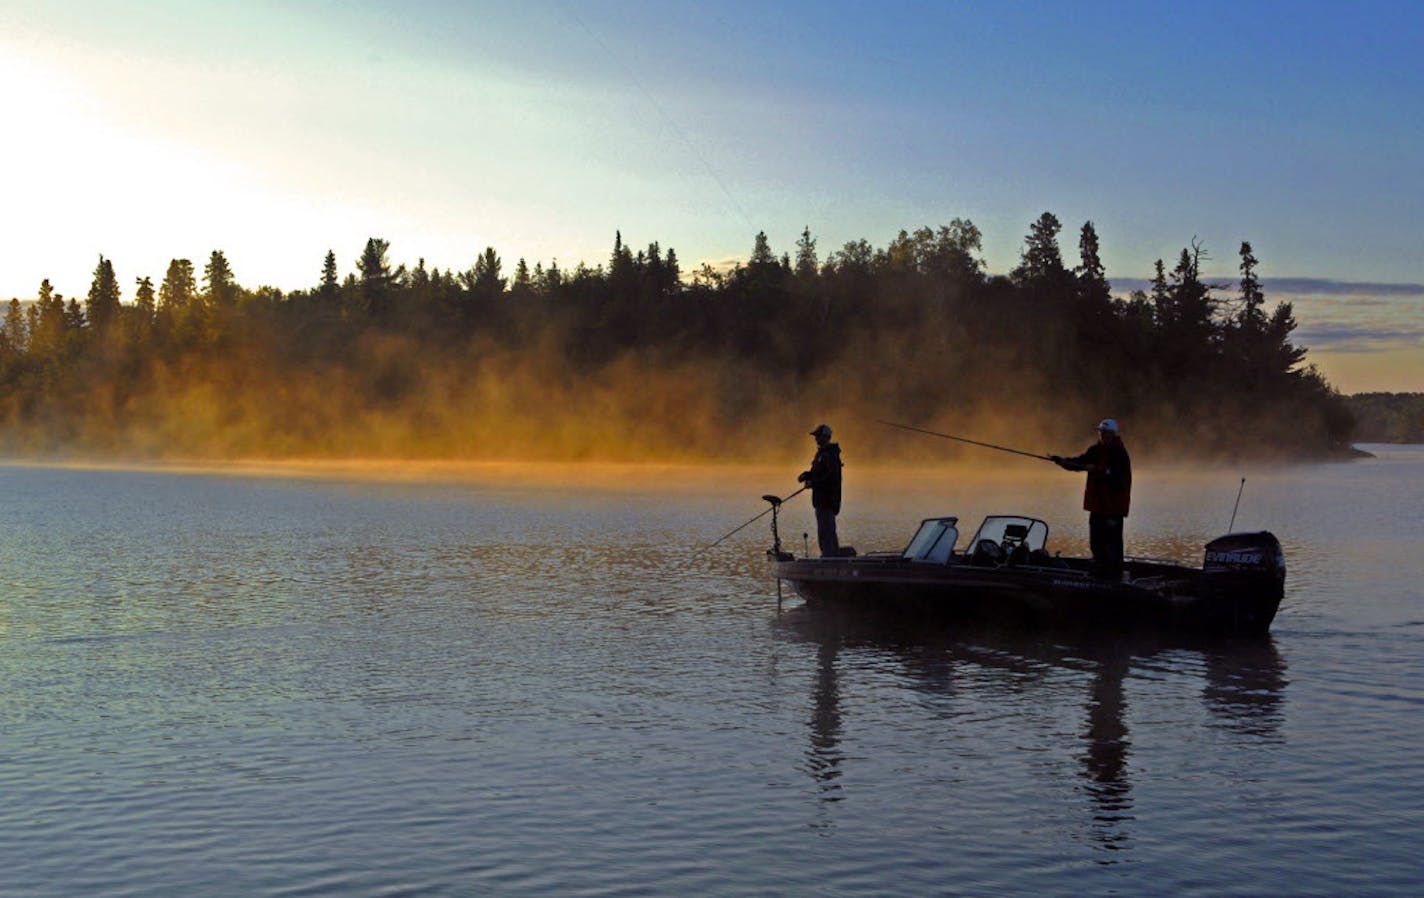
377,278
179,288
762,255
16,333
523,280
807,265
1251,319
484,279
1092,276
47,334
672,272
221,288
330,283
1042,263
73,315
1161,295
144,300
102,304
621,268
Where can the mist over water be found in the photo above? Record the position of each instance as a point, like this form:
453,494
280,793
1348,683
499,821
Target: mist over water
528,681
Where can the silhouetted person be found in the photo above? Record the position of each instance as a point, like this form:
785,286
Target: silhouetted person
824,479
1106,496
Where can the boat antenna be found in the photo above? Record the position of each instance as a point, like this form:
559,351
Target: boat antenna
948,436
1237,505
775,503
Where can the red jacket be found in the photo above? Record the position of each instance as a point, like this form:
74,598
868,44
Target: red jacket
1109,487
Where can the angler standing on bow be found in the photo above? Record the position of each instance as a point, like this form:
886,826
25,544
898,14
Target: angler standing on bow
1106,496
824,479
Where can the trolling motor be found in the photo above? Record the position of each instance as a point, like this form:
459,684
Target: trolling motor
775,552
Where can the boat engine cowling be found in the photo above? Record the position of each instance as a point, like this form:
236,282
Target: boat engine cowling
1245,554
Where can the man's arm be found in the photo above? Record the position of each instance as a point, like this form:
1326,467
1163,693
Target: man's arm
1077,463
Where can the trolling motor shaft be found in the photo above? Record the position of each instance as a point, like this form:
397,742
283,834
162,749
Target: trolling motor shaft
775,551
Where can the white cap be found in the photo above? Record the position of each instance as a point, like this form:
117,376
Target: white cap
822,428
1108,424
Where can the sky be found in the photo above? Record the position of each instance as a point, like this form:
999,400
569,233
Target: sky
148,130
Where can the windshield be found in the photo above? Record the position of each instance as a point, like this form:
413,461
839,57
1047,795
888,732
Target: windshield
934,541
1008,531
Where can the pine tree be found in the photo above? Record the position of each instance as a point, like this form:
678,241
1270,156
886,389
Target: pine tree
16,333
672,272
73,315
807,265
179,288
377,279
102,306
483,280
1092,276
762,256
1251,319
621,270
144,301
1042,263
330,283
221,288
50,325
1161,296
523,283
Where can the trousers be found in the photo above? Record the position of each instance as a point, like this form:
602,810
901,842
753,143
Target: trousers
826,533
1105,539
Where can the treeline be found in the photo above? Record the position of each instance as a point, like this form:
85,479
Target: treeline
632,358
1388,417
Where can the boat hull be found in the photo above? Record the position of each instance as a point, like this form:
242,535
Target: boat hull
1156,596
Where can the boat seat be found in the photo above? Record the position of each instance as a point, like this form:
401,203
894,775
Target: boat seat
1041,558
987,554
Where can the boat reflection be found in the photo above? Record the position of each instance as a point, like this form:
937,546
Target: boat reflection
1244,683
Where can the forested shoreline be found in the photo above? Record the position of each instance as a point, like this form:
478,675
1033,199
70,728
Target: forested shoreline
1388,417
631,359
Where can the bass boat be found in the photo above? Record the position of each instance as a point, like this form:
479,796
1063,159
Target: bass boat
1006,575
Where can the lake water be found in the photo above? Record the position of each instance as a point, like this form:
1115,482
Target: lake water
223,684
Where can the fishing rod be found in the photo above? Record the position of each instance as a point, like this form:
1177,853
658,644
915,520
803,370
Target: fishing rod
948,436
1237,505
775,504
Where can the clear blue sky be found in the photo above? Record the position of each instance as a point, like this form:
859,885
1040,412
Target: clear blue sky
153,129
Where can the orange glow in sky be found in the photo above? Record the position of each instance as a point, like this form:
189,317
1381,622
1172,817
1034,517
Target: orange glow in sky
159,129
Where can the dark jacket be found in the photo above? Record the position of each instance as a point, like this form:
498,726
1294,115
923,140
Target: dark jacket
1109,487
824,478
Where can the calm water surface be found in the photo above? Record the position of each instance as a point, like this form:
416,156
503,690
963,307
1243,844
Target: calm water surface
228,685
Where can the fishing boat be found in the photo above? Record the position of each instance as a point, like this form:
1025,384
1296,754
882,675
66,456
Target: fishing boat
1007,575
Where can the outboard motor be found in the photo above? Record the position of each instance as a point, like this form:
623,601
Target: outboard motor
1245,561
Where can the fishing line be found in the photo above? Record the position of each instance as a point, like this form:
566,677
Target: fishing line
948,436
774,506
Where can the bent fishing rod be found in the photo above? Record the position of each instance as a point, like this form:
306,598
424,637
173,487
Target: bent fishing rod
775,504
949,436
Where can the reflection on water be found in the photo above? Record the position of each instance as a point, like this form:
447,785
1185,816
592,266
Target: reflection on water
230,686
1105,760
824,758
1245,682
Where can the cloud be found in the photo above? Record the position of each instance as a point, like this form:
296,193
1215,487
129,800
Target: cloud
1335,316
1327,287
1338,336
1295,286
